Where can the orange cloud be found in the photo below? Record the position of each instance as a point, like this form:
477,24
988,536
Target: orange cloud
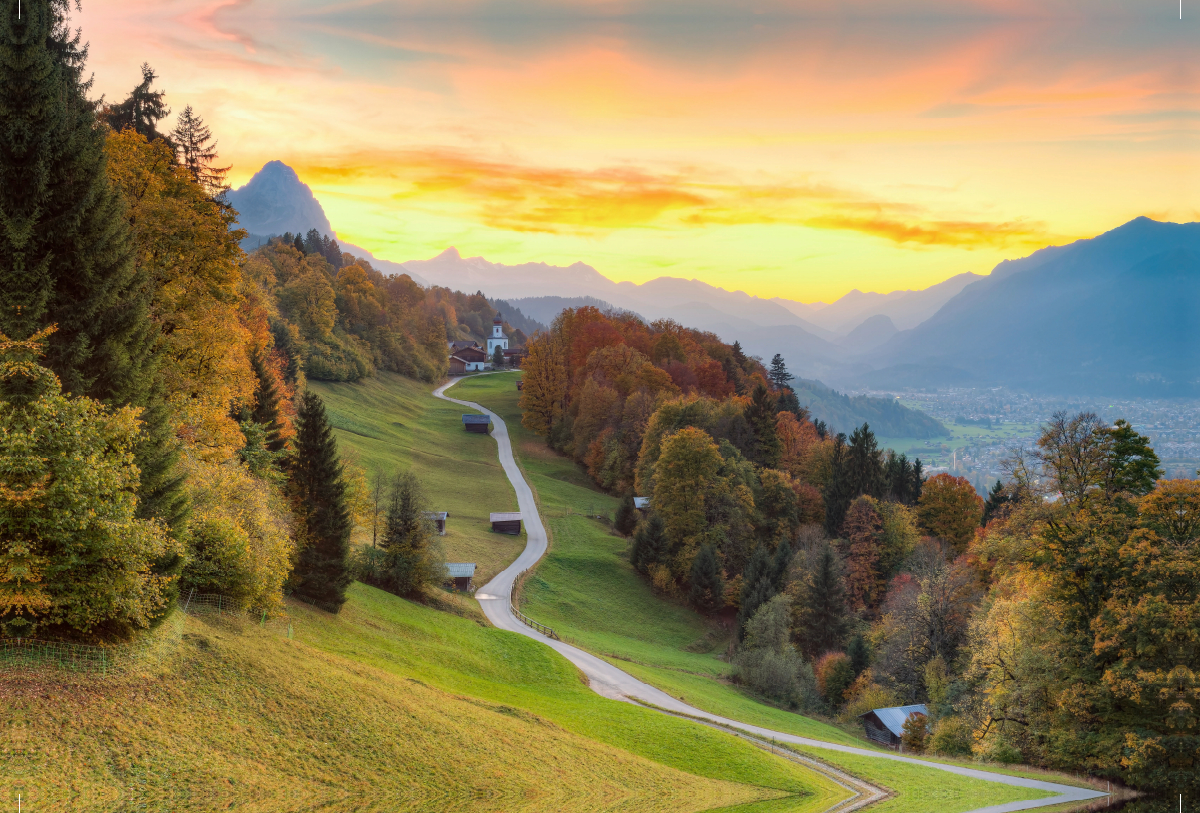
522,198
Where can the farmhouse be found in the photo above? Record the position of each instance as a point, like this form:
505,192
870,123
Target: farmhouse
472,359
508,522
462,344
460,574
885,726
477,423
438,518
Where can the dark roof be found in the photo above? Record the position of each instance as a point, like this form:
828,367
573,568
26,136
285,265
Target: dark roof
468,352
506,516
461,343
460,570
471,419
895,716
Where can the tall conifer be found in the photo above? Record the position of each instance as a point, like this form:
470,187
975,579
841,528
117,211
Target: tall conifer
322,571
266,402
66,254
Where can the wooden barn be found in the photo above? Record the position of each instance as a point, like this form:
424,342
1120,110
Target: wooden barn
473,359
458,366
438,518
506,522
477,423
886,726
460,574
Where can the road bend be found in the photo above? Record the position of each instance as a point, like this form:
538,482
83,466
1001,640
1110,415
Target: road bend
609,681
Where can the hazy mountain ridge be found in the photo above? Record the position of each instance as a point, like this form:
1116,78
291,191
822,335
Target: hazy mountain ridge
1118,314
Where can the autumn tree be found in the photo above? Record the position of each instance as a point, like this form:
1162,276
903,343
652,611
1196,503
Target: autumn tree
863,532
322,571
950,509
684,478
544,391
75,559
834,676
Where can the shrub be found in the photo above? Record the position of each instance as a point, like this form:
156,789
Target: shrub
865,694
951,737
769,664
238,534
915,732
998,748
834,676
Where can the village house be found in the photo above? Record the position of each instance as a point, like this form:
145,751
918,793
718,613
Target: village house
468,360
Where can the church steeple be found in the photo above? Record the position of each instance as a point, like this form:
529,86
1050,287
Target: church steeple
497,339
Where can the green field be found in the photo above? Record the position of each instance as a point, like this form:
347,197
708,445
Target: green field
388,706
585,589
937,451
391,423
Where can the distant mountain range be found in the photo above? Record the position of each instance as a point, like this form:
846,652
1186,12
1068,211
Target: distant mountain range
1113,315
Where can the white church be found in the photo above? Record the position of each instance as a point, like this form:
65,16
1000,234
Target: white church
497,339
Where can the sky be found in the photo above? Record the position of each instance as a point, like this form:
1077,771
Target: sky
797,149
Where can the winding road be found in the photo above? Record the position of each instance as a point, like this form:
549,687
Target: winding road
609,681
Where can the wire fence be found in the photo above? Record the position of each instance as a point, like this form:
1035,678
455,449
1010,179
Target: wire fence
33,655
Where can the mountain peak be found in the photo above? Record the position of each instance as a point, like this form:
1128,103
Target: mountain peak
275,200
449,254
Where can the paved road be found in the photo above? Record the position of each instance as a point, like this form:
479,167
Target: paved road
610,681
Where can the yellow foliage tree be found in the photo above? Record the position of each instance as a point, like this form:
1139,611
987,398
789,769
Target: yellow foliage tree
188,245
544,391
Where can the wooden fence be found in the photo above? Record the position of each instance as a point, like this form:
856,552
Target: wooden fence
524,619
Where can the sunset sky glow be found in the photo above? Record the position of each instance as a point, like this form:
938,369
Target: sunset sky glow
794,149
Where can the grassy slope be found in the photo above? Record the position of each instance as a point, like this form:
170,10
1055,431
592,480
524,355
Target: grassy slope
585,589
388,706
394,423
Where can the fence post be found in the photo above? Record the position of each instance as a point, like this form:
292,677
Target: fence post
189,601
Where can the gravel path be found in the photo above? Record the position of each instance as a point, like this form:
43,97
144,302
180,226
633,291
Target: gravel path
609,681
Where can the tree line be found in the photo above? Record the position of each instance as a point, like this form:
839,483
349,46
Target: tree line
156,435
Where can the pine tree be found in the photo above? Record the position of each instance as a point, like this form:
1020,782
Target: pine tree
758,587
498,358
918,482
778,373
780,563
859,654
649,544
820,610
1132,465
707,592
838,491
760,414
866,469
266,402
191,138
66,254
322,571
312,242
408,563
142,111
298,243
627,517
997,497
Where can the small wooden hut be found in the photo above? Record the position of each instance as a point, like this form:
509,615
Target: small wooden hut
460,574
438,518
506,522
477,423
886,726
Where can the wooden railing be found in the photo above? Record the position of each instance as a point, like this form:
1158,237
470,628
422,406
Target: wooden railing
524,619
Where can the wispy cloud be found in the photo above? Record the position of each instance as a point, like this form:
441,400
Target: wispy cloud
521,197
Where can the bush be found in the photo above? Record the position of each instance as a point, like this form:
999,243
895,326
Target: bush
915,732
238,534
998,748
769,664
864,695
951,738
834,677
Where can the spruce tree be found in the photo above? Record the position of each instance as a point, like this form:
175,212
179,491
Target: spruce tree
266,402
707,592
66,253
649,544
859,654
997,497
322,571
298,243
778,373
779,565
142,110
191,138
760,414
838,491
498,358
627,517
820,608
757,587
866,469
